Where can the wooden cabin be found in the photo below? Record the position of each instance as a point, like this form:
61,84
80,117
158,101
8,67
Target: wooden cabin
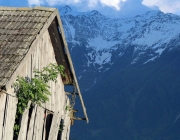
32,38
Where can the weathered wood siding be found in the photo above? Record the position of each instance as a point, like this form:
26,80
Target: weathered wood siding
33,122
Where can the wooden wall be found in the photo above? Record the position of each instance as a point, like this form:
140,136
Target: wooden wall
37,123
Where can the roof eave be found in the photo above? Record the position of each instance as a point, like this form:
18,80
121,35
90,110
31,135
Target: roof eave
71,65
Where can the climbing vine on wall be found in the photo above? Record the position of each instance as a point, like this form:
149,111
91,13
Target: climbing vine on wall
35,89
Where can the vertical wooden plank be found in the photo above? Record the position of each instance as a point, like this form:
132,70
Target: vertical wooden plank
52,96
24,122
58,112
5,117
64,128
68,132
31,124
10,118
66,125
38,127
38,55
62,95
55,126
46,51
2,109
47,48
13,116
40,61
48,103
28,68
57,98
33,63
66,122
44,130
42,58
36,51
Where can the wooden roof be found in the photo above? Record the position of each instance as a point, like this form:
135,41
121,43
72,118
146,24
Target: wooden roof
20,28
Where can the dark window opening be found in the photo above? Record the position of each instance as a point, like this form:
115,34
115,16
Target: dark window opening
44,125
61,128
29,115
17,126
5,110
49,118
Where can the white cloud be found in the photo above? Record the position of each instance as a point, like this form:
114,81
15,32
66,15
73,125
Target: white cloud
92,3
35,2
113,3
116,4
54,2
166,6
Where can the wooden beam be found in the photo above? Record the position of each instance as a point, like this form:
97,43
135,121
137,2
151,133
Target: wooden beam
24,124
2,113
69,93
38,124
60,54
71,65
32,124
55,126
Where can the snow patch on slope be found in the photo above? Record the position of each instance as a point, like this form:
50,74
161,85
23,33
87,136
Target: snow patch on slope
98,58
160,51
152,59
99,43
156,33
103,58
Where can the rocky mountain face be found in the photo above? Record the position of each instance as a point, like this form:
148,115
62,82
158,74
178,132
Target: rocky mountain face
128,70
96,42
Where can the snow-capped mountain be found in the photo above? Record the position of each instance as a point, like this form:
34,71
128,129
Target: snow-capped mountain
130,71
100,40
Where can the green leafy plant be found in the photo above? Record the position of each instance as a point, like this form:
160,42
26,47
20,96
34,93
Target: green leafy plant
68,108
35,89
61,127
16,129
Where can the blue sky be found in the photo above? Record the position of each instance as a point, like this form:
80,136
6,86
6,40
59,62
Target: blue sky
111,8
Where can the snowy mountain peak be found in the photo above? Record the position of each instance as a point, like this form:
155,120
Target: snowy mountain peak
153,13
105,40
65,10
95,13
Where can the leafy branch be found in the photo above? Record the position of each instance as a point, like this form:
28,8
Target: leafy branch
35,89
